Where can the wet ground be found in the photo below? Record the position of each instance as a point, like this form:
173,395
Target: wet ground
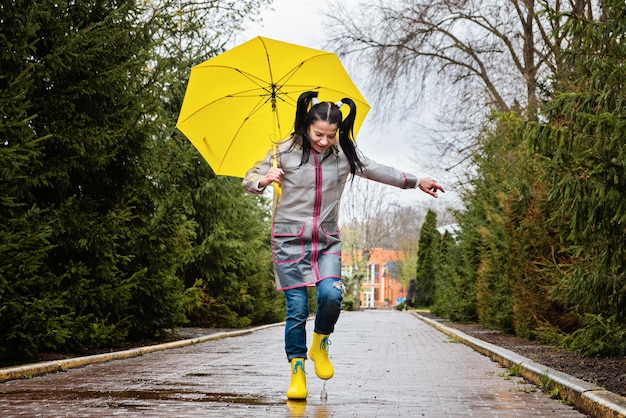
387,364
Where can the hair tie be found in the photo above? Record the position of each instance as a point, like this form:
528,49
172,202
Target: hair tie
314,101
339,104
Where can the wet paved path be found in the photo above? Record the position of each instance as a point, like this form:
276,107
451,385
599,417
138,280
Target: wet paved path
387,364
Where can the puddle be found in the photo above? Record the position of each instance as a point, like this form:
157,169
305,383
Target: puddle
130,398
236,398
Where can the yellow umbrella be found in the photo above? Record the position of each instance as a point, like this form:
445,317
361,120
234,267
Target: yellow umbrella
240,103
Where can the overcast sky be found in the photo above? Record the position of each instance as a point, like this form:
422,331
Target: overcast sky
301,22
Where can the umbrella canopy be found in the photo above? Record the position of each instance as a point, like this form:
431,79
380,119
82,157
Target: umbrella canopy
241,102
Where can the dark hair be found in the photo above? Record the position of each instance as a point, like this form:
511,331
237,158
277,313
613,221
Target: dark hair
328,112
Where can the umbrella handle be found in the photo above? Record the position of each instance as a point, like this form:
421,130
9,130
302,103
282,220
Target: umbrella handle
277,190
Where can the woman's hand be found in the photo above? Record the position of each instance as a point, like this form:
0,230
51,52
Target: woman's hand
272,176
430,186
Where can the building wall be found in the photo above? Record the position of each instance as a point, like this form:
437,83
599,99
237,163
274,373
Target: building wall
381,288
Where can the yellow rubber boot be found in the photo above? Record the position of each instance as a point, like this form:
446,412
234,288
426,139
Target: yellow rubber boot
297,388
319,354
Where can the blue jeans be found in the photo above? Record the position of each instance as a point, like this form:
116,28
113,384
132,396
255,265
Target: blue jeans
329,297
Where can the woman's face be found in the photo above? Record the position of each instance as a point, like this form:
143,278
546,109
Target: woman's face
322,134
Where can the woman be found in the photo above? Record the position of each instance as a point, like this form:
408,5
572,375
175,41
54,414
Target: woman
312,168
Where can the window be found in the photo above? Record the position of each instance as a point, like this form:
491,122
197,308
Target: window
373,275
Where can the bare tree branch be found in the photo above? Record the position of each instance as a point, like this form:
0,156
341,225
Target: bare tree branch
482,55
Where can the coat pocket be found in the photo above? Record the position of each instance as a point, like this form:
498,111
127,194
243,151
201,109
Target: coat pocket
332,239
288,243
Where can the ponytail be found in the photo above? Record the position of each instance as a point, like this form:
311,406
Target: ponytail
301,125
302,109
346,137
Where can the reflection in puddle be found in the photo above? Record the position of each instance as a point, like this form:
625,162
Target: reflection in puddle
299,409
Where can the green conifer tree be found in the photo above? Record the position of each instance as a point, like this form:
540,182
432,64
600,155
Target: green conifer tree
427,259
82,133
444,296
584,149
455,297
226,265
25,226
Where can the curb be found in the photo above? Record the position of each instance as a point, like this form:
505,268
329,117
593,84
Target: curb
587,397
27,371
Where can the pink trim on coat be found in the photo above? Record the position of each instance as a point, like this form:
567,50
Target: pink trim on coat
316,216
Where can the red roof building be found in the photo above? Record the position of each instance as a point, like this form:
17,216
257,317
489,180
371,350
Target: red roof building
381,286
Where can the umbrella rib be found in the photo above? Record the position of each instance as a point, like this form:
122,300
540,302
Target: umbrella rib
269,67
255,109
291,73
259,82
247,93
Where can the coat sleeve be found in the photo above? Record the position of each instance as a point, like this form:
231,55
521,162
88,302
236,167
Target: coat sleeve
387,175
254,175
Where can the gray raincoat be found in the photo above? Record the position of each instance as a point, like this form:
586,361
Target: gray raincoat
305,235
